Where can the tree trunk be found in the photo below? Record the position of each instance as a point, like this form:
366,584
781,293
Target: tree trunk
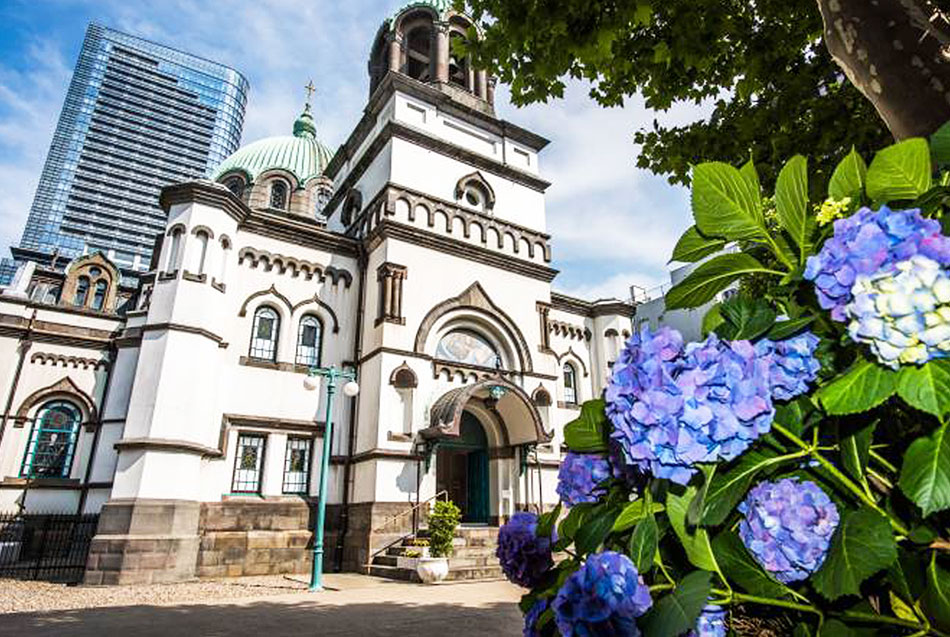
897,53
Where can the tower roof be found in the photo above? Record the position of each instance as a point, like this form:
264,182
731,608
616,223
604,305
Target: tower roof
300,154
441,7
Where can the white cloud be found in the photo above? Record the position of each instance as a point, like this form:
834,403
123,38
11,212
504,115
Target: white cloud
614,286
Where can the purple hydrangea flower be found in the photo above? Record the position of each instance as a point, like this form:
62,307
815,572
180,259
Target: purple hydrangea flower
580,476
787,526
711,623
604,597
674,406
793,365
531,618
868,242
525,557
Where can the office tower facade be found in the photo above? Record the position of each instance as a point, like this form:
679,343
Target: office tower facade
138,116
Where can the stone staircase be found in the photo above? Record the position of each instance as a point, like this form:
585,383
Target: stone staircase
473,557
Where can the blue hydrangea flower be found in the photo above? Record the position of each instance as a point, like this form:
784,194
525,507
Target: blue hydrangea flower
674,406
604,597
904,314
580,477
531,619
787,527
869,242
711,622
525,557
793,365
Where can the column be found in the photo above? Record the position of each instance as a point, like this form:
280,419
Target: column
441,52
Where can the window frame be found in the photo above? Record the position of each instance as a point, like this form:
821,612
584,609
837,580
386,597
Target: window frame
99,293
309,466
570,389
275,335
318,345
83,284
275,183
262,454
28,465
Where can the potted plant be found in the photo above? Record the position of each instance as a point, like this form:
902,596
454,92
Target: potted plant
443,521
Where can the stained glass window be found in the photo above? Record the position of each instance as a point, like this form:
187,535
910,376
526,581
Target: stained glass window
570,384
264,334
308,341
468,347
297,465
278,195
52,441
248,462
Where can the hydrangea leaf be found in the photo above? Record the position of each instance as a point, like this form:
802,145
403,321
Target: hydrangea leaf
940,145
571,523
693,246
694,513
677,612
936,597
694,541
751,175
862,546
727,488
712,320
586,433
925,475
725,204
643,543
748,318
783,329
710,278
594,530
864,386
791,201
634,512
901,171
927,387
546,521
848,178
739,566
855,446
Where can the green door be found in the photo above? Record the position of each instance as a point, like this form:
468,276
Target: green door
477,487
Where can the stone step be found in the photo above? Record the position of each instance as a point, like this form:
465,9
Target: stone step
456,561
475,573
391,572
457,551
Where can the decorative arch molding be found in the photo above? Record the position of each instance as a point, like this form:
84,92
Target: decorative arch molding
225,241
81,266
610,333
476,300
63,388
479,180
403,377
75,362
236,172
445,415
569,330
176,227
296,267
541,397
570,353
322,304
205,229
272,291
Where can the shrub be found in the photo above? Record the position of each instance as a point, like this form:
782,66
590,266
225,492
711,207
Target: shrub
443,521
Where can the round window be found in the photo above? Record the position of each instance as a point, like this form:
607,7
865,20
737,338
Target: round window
473,197
94,272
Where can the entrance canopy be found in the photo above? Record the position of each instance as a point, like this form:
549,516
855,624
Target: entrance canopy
520,420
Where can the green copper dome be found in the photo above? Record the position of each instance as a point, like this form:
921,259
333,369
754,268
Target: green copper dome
301,154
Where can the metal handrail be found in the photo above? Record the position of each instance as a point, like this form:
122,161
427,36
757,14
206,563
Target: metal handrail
411,511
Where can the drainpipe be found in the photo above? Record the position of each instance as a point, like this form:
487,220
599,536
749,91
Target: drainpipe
25,344
363,261
84,493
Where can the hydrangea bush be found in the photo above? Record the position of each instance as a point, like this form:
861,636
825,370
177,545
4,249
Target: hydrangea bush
793,465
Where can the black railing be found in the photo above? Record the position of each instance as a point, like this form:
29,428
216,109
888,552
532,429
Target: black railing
40,546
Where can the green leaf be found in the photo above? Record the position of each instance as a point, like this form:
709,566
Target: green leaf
572,522
677,612
694,513
586,433
725,204
693,246
727,488
848,178
696,541
750,318
710,278
751,175
784,329
634,512
546,521
791,201
739,566
864,386
901,171
643,543
936,597
901,609
595,529
855,448
940,145
925,474
712,320
862,546
926,387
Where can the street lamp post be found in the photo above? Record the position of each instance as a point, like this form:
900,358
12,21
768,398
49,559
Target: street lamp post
332,375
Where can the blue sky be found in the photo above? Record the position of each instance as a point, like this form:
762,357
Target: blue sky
612,224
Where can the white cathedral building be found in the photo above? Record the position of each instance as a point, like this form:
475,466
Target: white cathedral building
416,256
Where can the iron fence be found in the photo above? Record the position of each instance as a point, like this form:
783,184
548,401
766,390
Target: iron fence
42,546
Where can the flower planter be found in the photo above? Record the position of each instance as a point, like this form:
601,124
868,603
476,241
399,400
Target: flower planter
432,570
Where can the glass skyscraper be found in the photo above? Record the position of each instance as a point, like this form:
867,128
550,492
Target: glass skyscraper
138,116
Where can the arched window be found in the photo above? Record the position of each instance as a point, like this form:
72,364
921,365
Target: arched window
323,198
264,334
172,264
223,266
351,207
458,65
570,384
405,382
99,296
82,291
468,347
309,337
49,453
202,237
236,185
419,53
278,195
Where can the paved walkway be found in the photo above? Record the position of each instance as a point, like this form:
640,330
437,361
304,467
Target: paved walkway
352,605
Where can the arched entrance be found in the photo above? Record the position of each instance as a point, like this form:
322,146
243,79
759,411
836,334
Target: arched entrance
462,470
